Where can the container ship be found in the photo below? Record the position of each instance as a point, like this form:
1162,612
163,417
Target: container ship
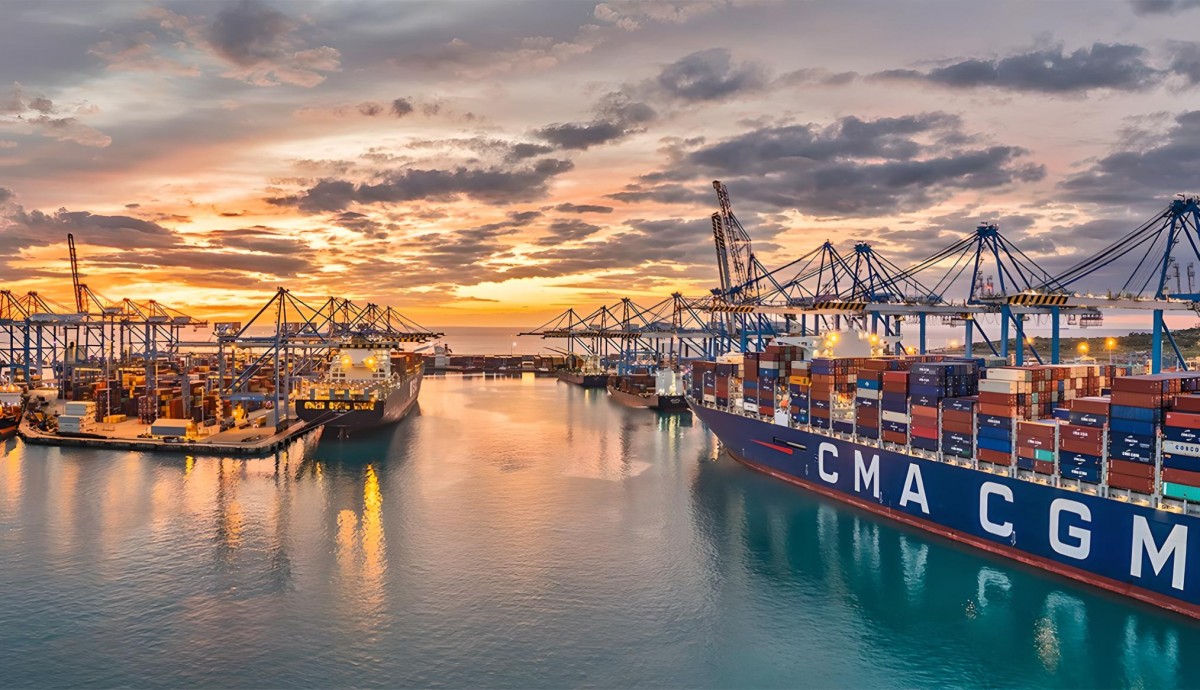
661,391
368,384
1073,469
584,371
12,405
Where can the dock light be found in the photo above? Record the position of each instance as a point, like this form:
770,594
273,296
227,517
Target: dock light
1083,348
912,350
370,362
874,339
833,337
345,360
1110,344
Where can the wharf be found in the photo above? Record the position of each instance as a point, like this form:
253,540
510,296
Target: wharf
249,440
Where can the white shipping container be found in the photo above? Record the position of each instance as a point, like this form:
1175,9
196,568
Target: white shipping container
1181,448
1009,375
998,386
889,416
869,393
81,408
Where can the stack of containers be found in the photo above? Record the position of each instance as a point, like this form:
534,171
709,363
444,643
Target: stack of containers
1181,449
80,418
867,398
799,388
1003,399
928,384
958,426
1135,416
822,392
1081,440
724,372
893,404
704,381
1037,446
750,376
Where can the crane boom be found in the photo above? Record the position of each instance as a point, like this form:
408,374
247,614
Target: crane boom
75,274
734,256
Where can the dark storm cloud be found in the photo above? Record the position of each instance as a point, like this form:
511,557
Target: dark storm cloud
401,107
853,167
290,264
489,185
567,230
1145,174
519,152
582,208
1116,66
617,118
249,32
1147,7
710,75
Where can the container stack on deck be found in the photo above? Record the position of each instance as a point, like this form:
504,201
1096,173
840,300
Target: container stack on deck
1181,449
934,389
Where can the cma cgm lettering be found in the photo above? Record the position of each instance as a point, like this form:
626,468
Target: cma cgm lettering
1131,549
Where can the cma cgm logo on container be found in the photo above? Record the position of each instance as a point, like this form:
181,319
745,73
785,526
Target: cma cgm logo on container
1069,519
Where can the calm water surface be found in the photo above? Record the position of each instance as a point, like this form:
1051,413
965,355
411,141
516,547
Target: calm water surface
518,533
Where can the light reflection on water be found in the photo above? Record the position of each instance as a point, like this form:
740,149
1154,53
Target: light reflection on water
517,532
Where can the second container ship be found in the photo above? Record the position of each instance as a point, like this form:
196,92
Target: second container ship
1068,468
368,384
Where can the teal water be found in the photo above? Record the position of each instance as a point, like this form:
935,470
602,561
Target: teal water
519,533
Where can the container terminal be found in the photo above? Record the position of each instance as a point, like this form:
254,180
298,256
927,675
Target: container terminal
1083,469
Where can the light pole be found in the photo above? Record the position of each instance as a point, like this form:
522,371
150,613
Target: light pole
1083,348
1110,344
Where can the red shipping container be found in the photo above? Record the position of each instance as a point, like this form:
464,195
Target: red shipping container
1008,399
994,456
1131,469
1183,419
895,377
1154,383
957,416
1036,430
1026,452
1034,441
895,437
957,427
1043,467
1078,432
1074,445
923,412
923,431
1138,484
1188,403
1181,476
1150,400
1009,411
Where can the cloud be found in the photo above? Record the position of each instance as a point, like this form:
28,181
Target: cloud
582,208
1116,66
1185,60
41,115
567,230
710,75
852,167
489,185
1146,172
617,117
401,107
1148,7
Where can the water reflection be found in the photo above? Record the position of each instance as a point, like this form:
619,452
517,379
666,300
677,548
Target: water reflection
927,599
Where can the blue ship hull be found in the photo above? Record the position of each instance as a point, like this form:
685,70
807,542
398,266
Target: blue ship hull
1133,550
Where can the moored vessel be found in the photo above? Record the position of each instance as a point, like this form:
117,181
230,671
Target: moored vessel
368,384
1074,469
661,391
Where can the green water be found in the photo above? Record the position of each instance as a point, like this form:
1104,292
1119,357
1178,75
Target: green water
519,533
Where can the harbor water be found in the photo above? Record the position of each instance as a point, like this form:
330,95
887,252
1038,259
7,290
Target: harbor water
519,532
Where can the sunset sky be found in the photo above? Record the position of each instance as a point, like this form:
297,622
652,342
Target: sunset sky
494,162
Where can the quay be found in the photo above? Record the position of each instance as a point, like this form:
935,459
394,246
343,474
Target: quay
249,440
